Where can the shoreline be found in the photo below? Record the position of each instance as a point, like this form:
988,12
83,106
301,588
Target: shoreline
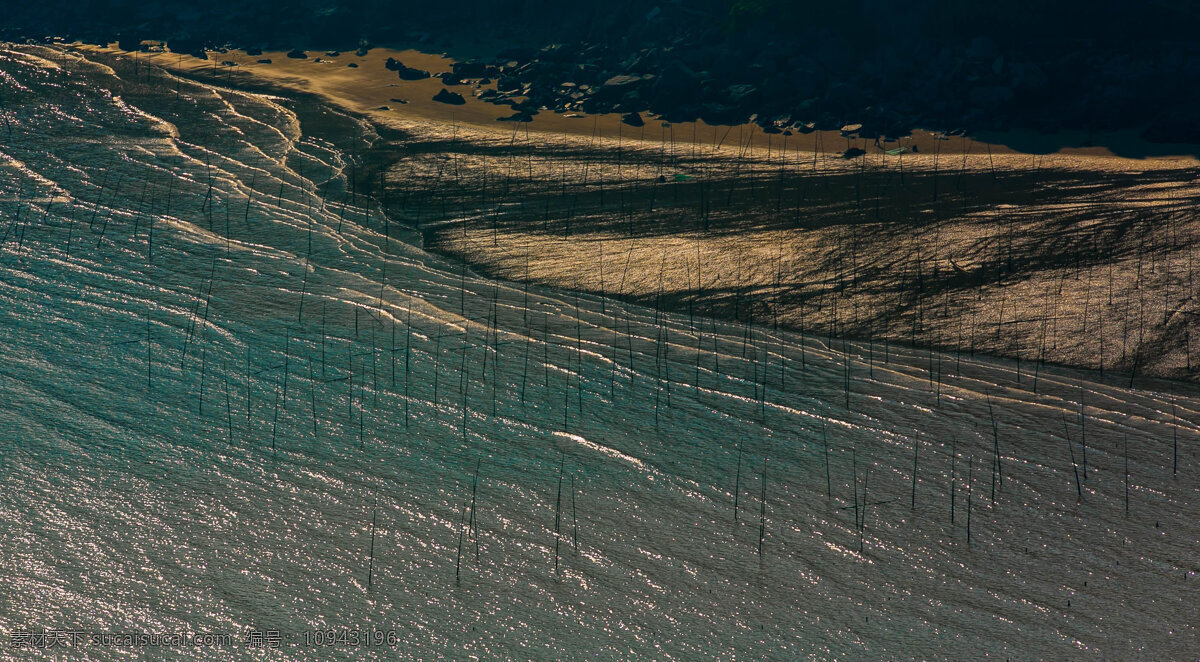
372,90
851,271
237,407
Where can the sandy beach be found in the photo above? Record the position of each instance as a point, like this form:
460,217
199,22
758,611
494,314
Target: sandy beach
369,87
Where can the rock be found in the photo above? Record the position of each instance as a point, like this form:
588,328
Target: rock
352,65
181,45
868,133
528,106
131,44
450,78
252,51
395,100
516,117
981,48
676,93
740,93
622,80
633,119
452,98
265,60
853,153
508,84
516,54
297,54
989,97
617,88
1173,126
332,53
408,73
470,69
405,73
717,113
630,102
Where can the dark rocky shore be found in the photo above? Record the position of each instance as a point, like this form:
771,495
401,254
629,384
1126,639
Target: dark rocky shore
784,64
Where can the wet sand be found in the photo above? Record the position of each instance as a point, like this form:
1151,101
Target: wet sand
1076,257
697,467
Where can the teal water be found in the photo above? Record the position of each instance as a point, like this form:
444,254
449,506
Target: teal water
217,372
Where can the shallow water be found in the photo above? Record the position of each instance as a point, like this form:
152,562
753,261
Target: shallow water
220,367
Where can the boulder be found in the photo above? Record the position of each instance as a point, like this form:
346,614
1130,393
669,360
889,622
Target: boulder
470,69
408,73
1173,126
516,53
179,45
633,119
720,113
452,98
677,87
678,114
615,86
297,54
630,102
741,93
528,105
405,73
622,81
990,97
